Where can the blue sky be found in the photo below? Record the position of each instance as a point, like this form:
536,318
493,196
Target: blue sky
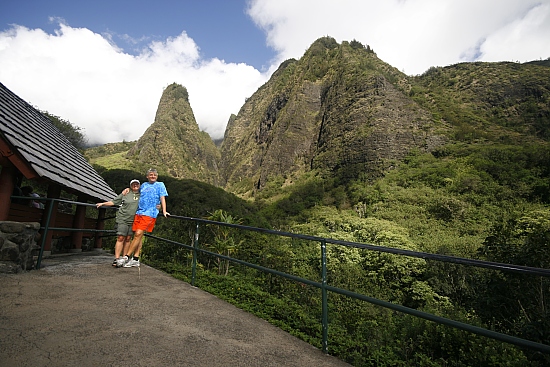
103,64
221,28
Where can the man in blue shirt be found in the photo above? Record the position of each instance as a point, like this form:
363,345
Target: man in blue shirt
152,193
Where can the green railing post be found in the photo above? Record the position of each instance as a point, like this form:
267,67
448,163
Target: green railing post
195,247
44,234
324,294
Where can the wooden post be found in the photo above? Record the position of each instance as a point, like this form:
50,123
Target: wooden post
78,222
54,191
100,226
7,178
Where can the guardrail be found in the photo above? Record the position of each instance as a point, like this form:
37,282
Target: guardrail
325,288
48,212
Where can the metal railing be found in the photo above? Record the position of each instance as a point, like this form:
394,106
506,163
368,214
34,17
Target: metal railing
325,288
47,228
48,212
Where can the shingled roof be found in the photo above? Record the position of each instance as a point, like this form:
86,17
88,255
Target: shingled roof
33,137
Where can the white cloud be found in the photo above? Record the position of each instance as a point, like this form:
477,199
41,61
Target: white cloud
86,78
83,77
523,39
412,35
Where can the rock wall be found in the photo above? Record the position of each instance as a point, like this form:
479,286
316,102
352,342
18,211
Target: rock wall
18,244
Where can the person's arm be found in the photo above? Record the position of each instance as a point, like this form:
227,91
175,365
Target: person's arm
125,191
106,203
163,205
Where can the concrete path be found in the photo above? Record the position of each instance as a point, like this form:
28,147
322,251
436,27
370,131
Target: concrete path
80,311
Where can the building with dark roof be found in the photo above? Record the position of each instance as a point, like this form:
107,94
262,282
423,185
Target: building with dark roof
33,148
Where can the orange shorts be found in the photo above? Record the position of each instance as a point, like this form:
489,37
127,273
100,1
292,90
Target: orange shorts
144,223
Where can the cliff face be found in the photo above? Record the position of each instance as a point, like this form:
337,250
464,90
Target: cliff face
368,122
338,110
274,132
174,145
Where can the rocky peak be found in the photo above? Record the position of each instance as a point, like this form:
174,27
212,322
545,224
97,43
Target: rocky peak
174,144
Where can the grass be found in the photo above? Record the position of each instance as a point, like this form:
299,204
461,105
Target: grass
113,161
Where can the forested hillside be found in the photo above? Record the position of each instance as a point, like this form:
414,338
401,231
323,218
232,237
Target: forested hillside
341,145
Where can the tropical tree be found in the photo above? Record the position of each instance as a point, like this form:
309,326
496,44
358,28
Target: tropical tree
224,242
518,302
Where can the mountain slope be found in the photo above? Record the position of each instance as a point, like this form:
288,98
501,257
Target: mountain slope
174,144
495,101
338,110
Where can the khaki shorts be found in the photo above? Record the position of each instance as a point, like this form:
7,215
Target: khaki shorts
123,229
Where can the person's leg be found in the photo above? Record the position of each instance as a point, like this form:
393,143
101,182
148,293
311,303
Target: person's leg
142,223
138,249
119,245
124,232
121,261
126,247
133,249
118,248
150,225
137,226
138,235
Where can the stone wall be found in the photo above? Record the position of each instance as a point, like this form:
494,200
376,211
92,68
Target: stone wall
18,244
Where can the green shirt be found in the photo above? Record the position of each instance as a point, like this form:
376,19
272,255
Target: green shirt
128,207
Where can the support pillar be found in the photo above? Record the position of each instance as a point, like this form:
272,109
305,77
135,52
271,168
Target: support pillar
78,222
7,179
54,191
100,226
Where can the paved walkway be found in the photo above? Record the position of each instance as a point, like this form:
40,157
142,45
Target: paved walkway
80,311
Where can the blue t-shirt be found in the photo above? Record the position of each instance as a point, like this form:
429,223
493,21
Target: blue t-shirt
150,198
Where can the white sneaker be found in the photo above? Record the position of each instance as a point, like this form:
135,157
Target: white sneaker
120,262
132,263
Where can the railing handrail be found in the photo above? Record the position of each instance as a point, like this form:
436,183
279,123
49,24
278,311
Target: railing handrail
396,307
67,201
391,250
48,212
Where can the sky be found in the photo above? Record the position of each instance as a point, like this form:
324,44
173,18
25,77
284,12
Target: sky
103,65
